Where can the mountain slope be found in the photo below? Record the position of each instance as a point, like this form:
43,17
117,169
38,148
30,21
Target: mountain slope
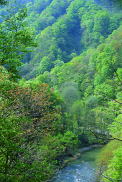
73,53
81,25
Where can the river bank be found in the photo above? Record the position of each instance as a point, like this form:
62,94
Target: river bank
81,166
79,152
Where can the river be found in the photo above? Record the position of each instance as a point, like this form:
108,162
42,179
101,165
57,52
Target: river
82,169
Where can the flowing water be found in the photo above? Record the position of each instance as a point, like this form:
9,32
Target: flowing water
80,170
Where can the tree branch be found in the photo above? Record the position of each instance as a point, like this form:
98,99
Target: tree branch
117,102
110,179
97,136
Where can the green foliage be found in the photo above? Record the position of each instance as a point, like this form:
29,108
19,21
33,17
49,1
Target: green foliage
47,12
114,170
95,115
16,39
107,154
32,143
3,2
116,127
66,29
76,96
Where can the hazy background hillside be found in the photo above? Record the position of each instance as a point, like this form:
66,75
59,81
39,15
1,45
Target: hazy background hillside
65,29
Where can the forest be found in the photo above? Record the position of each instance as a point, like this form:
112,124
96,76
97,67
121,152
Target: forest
60,86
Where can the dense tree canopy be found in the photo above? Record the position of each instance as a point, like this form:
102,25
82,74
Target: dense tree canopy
69,54
16,39
2,2
66,34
